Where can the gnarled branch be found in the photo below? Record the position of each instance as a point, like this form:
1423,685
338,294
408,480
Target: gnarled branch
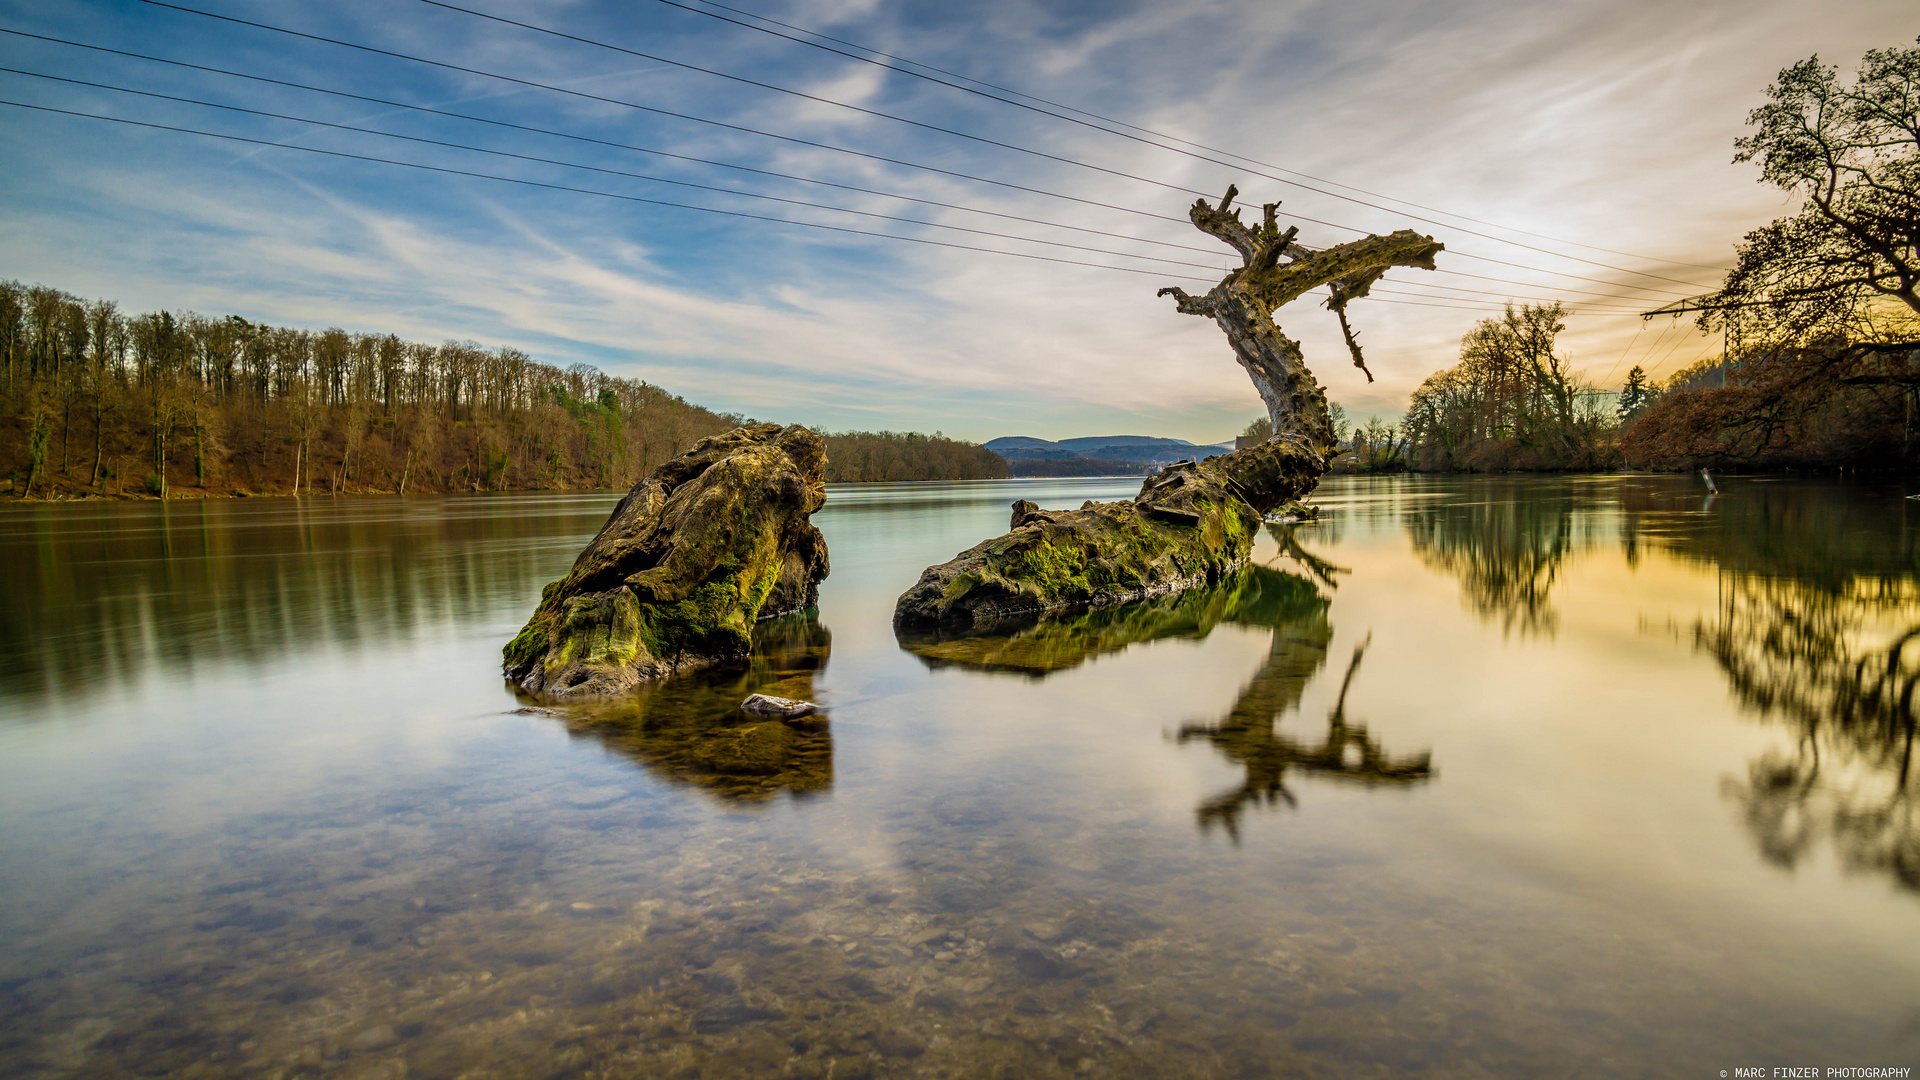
1275,272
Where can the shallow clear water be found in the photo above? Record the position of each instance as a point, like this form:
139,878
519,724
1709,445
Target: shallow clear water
1569,777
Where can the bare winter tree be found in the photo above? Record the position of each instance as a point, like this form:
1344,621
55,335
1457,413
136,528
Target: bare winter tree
1276,272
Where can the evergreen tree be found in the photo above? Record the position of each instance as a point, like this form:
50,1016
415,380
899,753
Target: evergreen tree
1636,394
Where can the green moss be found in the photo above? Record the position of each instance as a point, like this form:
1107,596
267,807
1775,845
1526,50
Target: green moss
960,586
681,579
1191,523
529,644
1055,569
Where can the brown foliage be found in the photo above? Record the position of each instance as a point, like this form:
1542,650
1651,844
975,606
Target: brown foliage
1822,406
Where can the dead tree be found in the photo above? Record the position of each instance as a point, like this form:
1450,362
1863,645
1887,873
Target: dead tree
1275,272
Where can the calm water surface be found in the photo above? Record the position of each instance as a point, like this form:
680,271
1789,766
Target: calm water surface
1515,778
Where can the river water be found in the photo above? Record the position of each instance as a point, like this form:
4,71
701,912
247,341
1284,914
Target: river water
1473,777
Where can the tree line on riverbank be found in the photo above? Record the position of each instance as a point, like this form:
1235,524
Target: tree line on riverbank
97,402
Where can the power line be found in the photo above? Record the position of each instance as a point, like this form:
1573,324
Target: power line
444,170
535,27
829,146
595,168
1535,285
744,129
697,186
1109,120
588,191
1506,296
774,87
667,154
1623,352
1681,340
607,142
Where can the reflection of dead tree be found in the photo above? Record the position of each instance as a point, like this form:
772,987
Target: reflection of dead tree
1290,548
1801,653
1507,554
1247,736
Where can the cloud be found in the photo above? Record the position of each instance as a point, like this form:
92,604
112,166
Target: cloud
1604,123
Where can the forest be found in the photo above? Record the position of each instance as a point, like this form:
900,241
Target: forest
100,403
1512,402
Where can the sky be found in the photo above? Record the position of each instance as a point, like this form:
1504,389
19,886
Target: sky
995,271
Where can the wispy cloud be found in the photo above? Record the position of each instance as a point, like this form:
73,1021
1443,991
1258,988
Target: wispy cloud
1608,124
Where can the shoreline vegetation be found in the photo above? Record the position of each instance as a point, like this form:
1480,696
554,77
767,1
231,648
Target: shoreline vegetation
99,404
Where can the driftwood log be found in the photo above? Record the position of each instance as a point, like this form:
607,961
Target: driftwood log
1193,522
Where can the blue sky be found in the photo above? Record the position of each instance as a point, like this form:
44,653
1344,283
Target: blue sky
1606,124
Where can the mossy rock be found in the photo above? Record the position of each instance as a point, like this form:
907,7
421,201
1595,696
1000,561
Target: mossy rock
706,546
1192,524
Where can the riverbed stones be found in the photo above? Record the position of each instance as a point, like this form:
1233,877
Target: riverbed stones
784,708
1191,524
708,544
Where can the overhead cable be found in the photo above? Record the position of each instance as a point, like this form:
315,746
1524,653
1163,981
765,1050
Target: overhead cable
535,27
744,129
1110,120
596,168
1475,293
444,170
828,146
586,191
607,142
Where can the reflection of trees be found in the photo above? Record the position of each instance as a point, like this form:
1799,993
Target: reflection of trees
1506,547
690,728
106,594
1839,667
1292,606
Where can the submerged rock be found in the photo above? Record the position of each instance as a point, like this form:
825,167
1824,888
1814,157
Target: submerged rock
1192,524
708,544
785,708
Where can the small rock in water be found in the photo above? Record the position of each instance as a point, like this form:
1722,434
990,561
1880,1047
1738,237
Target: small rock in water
785,708
375,1038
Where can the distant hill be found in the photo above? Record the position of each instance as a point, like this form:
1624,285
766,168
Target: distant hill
1096,455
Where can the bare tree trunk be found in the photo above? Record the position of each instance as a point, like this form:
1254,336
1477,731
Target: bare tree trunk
1276,272
160,459
94,481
